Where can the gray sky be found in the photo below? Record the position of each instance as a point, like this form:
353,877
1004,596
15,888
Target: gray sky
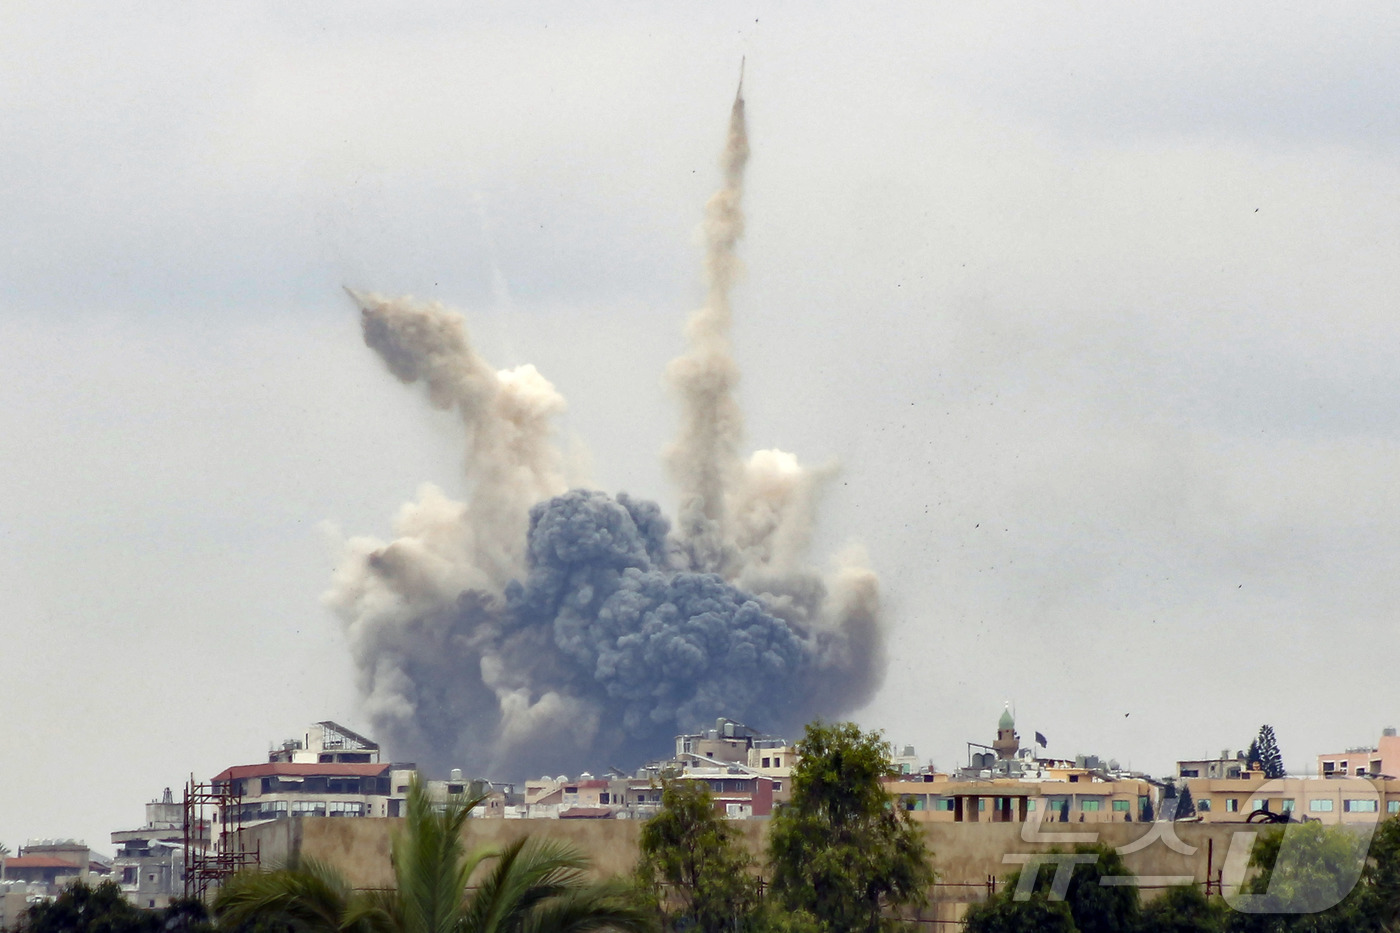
1093,303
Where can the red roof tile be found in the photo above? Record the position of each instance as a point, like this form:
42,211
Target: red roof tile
38,861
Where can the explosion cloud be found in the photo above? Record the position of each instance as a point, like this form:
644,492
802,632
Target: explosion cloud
535,626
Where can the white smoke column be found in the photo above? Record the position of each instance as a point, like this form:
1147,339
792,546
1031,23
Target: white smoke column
752,521
512,460
402,600
704,460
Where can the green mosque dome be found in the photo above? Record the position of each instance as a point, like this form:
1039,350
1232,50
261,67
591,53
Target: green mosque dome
1006,721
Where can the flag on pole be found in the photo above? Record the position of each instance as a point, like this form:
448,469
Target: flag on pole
1040,740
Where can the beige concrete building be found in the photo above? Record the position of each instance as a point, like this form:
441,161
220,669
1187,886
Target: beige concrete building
775,762
1327,800
1081,800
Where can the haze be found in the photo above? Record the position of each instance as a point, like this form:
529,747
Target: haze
1094,308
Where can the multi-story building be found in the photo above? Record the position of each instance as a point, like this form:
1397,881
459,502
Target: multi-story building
1327,800
729,741
777,763
1010,784
150,861
46,866
1380,760
332,772
1226,766
1018,800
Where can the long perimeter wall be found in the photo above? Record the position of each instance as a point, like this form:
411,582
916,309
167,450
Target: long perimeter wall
965,855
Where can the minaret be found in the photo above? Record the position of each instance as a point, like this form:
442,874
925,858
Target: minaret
1008,742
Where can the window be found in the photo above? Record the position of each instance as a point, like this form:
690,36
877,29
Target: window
128,875
1089,806
767,762
1030,805
1120,806
1328,767
1359,806
943,803
1258,805
1286,805
777,785
1232,804
912,802
346,808
1203,804
981,804
308,808
1392,806
603,797
1190,772
1320,806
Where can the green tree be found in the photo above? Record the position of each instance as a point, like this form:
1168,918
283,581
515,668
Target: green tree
1183,909
1306,883
1264,751
1098,907
83,909
692,865
1185,806
840,849
1382,877
1002,913
529,886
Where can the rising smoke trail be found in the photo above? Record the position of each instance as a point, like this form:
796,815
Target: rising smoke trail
534,625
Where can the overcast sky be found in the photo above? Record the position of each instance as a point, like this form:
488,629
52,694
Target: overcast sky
1094,304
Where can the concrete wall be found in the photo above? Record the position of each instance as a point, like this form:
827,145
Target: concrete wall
964,853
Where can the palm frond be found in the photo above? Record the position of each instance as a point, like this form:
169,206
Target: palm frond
528,875
311,896
594,906
430,863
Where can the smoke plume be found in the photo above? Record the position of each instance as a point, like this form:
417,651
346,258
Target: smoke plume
538,627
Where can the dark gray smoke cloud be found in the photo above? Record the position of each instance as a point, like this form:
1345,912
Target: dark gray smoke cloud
535,627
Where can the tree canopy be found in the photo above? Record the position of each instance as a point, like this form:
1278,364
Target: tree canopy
1263,750
692,867
840,850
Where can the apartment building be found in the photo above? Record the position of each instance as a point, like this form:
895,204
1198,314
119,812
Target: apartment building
332,771
150,861
1379,760
1326,800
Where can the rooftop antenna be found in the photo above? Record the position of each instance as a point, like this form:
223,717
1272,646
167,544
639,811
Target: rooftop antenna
740,91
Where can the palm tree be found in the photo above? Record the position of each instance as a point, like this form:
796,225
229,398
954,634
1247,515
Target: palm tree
532,886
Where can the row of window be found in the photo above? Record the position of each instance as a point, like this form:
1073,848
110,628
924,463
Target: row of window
279,809
916,802
1340,767
1318,805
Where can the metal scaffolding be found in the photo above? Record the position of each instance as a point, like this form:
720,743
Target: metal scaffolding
211,858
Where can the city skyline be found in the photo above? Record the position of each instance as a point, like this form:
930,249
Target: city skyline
1093,311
